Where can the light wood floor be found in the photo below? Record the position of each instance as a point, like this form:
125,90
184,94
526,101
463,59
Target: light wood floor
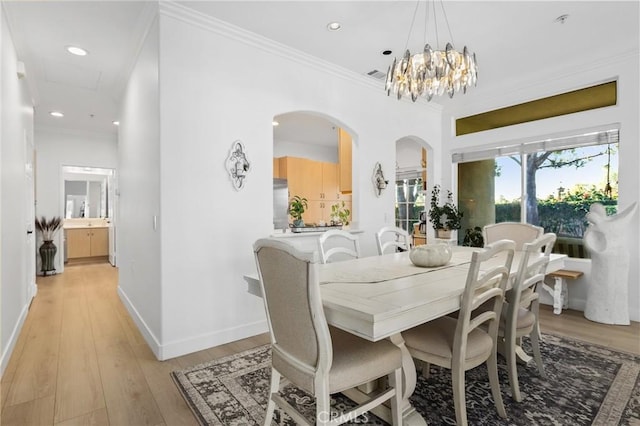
80,360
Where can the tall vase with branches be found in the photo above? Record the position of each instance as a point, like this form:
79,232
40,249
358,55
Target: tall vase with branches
48,249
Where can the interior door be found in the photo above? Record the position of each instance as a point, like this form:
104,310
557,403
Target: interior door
30,255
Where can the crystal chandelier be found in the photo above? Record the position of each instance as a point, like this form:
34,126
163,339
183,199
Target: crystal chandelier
432,72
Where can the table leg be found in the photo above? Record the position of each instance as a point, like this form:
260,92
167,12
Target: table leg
410,415
557,293
409,378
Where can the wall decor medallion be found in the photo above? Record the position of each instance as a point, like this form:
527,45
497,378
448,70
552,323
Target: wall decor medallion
238,165
379,182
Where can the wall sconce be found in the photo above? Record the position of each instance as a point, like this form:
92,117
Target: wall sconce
379,182
238,165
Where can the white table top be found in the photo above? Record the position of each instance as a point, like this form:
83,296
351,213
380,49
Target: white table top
403,295
376,310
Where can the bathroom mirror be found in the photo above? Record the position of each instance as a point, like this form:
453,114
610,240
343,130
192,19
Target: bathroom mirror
86,192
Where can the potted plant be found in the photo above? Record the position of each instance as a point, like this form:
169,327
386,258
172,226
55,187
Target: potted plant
297,207
473,237
444,218
48,249
340,214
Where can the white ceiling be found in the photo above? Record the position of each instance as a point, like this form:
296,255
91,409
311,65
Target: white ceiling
513,40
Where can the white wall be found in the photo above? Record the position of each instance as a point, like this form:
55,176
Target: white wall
208,228
626,112
56,148
314,152
16,126
138,241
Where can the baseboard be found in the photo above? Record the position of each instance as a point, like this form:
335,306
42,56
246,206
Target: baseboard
13,339
147,334
189,345
209,340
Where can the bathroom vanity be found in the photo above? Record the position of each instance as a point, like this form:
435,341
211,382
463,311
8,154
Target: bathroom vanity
87,239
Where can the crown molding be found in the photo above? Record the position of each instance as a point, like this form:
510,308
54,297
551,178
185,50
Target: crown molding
146,19
235,33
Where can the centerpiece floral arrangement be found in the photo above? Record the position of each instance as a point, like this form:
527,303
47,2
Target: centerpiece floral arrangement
48,228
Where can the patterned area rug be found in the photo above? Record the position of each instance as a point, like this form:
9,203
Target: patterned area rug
585,385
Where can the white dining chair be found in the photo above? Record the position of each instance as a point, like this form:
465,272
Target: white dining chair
519,232
318,359
461,343
337,244
392,236
520,315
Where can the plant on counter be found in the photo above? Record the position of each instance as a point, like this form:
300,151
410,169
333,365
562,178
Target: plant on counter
340,214
48,228
297,207
444,217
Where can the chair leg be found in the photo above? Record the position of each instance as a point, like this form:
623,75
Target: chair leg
535,345
395,381
512,365
459,401
323,408
271,405
492,368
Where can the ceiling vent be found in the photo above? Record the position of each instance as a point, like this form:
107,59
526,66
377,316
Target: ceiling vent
377,74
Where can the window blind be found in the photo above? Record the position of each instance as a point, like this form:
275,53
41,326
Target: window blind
588,138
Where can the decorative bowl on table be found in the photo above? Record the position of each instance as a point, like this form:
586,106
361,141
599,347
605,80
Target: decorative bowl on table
430,255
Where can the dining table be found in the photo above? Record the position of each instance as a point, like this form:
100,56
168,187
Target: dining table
379,297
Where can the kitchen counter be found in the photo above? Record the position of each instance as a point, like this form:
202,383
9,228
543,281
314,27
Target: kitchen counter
315,232
307,241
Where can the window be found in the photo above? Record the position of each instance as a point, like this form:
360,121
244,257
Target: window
409,202
550,183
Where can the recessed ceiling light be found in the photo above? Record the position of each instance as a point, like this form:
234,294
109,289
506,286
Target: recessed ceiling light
386,52
562,18
334,26
275,123
56,114
116,123
78,51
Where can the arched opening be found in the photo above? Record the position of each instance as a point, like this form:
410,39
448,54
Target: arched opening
312,159
414,174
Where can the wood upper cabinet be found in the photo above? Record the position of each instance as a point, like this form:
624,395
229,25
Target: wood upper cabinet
87,242
317,181
293,169
344,161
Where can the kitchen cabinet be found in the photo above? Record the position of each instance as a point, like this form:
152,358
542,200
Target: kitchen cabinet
317,181
87,242
323,181
320,210
344,162
294,170
276,168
